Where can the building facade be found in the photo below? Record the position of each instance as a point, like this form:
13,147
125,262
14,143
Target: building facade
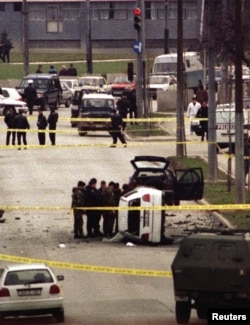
63,23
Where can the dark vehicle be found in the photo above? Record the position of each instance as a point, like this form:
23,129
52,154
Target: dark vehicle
178,185
211,271
95,113
76,105
48,87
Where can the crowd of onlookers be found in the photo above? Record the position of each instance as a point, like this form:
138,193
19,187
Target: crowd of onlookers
88,199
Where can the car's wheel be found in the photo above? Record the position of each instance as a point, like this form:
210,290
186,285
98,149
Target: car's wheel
44,104
182,311
82,132
59,316
201,312
68,102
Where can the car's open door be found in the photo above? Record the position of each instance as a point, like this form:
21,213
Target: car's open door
189,184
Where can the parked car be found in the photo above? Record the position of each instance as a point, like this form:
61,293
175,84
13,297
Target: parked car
76,105
30,289
153,171
48,87
161,83
66,94
11,93
7,103
225,125
72,83
94,84
120,83
95,106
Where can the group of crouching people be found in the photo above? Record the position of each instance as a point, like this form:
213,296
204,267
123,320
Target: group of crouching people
89,200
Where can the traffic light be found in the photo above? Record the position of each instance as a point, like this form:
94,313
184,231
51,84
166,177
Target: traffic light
130,71
137,19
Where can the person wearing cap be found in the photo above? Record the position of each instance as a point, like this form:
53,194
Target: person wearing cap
192,110
30,95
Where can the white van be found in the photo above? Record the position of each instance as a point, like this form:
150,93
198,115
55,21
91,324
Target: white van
193,69
225,125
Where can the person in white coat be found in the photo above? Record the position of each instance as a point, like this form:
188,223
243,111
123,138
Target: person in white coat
192,110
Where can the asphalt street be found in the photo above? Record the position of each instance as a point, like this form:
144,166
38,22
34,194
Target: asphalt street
36,187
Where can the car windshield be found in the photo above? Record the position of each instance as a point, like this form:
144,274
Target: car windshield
168,67
97,103
90,82
37,83
28,277
71,84
158,80
142,164
121,79
225,117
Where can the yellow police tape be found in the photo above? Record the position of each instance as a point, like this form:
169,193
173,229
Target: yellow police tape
88,268
193,207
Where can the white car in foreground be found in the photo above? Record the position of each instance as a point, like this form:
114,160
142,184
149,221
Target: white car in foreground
6,103
30,289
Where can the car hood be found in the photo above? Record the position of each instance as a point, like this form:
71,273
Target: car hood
150,163
8,101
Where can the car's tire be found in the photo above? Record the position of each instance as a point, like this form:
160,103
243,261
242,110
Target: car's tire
182,312
59,316
201,312
82,133
44,104
68,102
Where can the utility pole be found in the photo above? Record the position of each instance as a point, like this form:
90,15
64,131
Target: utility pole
239,118
166,31
180,134
25,38
139,25
88,39
212,154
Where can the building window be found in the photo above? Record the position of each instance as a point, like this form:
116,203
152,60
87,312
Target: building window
2,6
190,10
17,6
148,9
172,10
36,14
111,10
53,17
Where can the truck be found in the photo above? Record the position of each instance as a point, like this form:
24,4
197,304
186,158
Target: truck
192,67
211,270
141,215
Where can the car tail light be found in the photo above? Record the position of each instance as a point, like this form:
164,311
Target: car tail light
145,237
4,292
146,197
54,289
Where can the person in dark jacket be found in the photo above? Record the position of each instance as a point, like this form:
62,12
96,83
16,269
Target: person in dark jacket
72,70
9,121
52,121
203,114
116,127
30,94
123,107
41,124
21,124
92,200
78,201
